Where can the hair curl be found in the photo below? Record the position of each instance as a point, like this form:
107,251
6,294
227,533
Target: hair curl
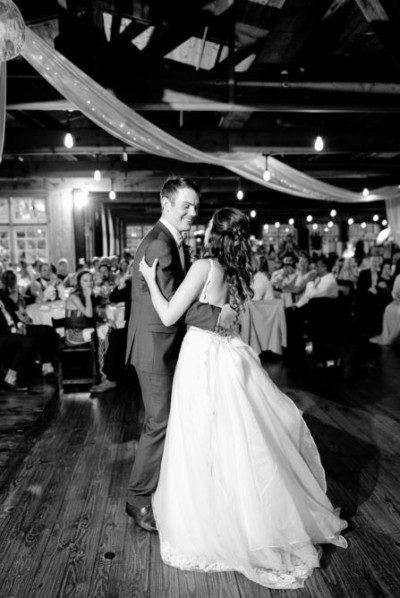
229,243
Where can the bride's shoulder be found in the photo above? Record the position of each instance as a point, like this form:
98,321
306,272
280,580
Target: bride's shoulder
201,266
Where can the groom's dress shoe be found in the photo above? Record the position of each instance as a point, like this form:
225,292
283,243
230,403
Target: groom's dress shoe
143,517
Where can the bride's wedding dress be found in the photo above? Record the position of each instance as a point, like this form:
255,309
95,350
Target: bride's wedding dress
241,485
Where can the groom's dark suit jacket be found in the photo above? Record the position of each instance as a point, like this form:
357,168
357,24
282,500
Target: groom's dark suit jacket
151,346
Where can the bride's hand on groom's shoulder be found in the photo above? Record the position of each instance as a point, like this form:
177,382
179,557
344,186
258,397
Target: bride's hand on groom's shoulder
148,272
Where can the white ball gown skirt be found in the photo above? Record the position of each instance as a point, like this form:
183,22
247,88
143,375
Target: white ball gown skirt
241,485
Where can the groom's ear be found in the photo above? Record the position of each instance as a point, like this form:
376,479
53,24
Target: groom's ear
164,203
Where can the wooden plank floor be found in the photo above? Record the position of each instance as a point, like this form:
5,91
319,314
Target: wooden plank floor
65,466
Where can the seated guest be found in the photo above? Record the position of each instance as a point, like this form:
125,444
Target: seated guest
114,359
391,318
45,287
369,302
80,306
44,336
324,285
25,275
16,349
282,280
122,273
304,275
261,285
104,279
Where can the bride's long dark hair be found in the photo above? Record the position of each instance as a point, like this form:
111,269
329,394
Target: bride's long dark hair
229,243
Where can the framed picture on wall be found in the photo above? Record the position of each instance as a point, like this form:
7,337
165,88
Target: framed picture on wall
4,210
30,210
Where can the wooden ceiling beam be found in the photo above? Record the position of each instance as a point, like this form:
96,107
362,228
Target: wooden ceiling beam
88,141
383,17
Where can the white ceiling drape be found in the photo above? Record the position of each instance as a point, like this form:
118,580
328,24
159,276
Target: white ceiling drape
118,119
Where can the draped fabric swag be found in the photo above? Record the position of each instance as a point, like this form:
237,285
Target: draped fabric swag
3,100
103,108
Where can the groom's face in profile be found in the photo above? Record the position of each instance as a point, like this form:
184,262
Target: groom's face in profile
182,212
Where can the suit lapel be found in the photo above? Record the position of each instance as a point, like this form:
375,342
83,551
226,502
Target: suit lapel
174,248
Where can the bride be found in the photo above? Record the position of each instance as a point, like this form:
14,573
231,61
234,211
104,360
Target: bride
241,485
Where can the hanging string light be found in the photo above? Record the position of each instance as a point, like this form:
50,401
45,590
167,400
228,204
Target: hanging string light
240,193
350,221
365,192
267,174
97,173
291,221
375,217
318,144
309,218
112,195
68,139
333,213
253,214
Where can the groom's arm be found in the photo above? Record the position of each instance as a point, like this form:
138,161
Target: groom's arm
202,315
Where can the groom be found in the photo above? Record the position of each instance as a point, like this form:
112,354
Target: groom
152,347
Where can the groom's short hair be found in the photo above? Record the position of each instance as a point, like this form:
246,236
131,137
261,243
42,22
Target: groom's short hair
173,185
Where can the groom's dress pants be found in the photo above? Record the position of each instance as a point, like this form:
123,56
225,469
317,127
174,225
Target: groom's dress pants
156,394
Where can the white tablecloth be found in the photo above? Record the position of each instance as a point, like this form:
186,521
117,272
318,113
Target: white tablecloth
42,313
263,325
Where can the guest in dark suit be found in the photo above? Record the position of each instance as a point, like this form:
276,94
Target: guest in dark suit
153,348
16,349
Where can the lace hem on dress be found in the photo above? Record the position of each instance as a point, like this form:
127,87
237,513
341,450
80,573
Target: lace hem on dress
280,579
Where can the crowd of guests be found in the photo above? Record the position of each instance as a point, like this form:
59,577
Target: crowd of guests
370,287
85,293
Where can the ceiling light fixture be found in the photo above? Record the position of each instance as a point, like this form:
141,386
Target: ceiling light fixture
68,139
112,195
239,193
97,173
333,213
365,192
319,144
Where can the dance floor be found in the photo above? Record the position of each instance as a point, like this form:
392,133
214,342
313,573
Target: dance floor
65,465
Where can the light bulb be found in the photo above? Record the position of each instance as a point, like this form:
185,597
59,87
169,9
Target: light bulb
309,218
333,213
240,194
375,217
267,175
253,213
363,225
365,192
350,221
112,195
291,221
319,144
315,226
277,224
68,140
384,222
330,224
97,175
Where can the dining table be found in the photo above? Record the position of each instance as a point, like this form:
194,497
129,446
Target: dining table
44,313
